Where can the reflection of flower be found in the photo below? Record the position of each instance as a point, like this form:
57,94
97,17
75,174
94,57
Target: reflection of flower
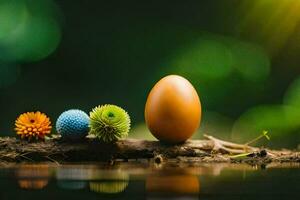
71,173
109,187
109,182
73,177
33,125
32,184
32,176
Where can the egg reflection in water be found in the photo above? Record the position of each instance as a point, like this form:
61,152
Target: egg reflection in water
173,185
110,183
32,177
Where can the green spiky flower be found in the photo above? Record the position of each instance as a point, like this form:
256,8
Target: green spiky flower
109,123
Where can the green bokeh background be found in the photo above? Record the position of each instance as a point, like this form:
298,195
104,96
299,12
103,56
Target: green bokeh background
58,55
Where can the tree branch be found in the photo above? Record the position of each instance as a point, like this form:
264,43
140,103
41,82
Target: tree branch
210,150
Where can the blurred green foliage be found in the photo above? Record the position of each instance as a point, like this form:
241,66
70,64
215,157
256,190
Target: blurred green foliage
213,57
108,52
141,131
206,59
280,121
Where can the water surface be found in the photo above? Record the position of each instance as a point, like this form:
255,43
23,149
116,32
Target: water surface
146,180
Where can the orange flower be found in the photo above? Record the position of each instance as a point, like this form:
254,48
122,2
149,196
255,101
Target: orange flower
33,125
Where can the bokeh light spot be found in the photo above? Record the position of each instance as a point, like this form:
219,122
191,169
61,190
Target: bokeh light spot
292,96
12,15
251,61
30,34
207,59
218,66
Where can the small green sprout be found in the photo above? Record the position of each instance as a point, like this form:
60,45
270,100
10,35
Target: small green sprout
263,135
242,155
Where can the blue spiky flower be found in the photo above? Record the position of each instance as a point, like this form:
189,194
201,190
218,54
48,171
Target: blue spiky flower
73,124
109,123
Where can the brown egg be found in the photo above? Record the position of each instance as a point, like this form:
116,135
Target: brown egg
173,109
